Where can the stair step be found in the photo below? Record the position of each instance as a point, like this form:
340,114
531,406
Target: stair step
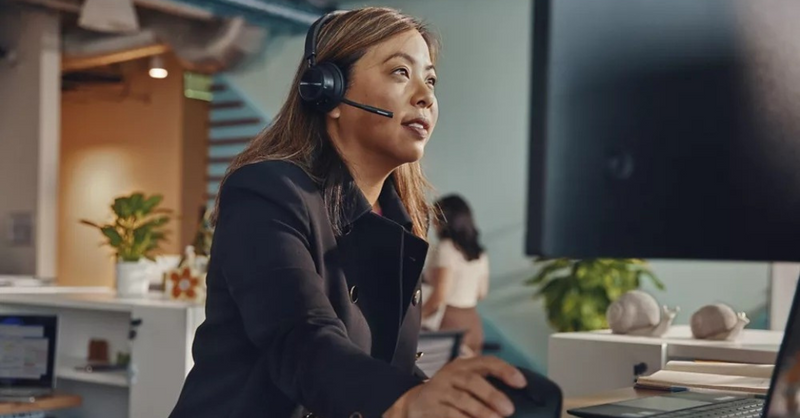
220,160
235,122
228,104
230,141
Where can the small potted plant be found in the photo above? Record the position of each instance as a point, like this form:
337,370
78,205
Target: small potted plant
135,234
577,293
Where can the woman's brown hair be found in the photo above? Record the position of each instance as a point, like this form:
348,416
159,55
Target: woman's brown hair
298,134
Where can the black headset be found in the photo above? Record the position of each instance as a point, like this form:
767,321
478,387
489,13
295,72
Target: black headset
323,85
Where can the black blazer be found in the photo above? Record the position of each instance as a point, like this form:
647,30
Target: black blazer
300,322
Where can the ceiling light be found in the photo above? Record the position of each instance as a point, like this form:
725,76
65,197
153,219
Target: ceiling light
157,68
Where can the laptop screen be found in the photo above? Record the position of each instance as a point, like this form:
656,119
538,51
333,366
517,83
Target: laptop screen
784,396
27,350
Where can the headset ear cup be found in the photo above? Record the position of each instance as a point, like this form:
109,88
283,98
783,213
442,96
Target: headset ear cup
334,86
311,85
322,86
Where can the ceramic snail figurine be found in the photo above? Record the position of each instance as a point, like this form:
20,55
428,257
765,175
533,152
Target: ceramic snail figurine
637,313
718,322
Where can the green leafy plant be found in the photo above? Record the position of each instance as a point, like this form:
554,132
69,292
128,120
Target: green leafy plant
137,229
577,293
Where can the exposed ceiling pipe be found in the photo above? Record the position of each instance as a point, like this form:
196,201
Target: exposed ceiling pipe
273,10
60,5
164,6
177,9
181,8
202,41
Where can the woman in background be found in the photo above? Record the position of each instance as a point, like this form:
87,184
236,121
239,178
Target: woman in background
458,274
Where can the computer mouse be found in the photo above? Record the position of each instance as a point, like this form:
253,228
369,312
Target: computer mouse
541,398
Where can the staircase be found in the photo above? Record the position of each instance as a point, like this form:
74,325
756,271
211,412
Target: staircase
233,123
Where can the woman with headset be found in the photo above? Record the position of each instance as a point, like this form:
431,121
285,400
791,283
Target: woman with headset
313,304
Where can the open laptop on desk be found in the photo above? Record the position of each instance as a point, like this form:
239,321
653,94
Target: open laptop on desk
27,356
782,400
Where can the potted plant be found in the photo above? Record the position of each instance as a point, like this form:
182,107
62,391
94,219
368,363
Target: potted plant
577,293
135,235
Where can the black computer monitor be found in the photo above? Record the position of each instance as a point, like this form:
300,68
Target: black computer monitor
665,129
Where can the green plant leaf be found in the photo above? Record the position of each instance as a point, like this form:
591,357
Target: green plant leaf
161,220
656,281
130,258
122,207
545,290
137,205
114,238
133,234
151,203
90,223
550,268
137,200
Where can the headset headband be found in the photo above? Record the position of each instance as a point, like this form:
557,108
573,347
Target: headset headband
311,37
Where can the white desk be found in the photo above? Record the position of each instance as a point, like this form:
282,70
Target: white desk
584,363
160,352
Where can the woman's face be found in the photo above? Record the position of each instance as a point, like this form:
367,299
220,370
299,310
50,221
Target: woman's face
396,75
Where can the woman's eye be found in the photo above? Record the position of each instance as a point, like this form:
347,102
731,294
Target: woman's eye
432,81
401,71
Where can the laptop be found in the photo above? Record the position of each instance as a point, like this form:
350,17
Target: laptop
27,356
782,399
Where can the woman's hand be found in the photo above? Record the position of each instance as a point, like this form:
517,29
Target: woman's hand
460,390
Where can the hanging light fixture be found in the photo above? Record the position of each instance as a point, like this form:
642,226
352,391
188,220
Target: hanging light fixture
157,67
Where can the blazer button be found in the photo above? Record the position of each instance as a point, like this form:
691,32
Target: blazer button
356,415
417,296
353,294
310,416
419,355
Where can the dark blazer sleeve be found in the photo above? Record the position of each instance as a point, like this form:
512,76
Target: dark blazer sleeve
263,237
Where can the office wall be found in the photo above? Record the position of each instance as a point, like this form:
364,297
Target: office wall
29,135
479,149
116,141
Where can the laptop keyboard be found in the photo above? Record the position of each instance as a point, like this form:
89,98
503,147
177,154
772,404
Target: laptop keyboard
743,408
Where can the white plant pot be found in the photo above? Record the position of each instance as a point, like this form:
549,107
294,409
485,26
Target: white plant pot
133,280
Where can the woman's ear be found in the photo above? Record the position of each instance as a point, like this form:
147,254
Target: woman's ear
335,113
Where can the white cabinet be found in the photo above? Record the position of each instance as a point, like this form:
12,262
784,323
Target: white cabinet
160,351
585,363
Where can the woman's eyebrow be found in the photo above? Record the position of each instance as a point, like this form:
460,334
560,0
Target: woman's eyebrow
408,58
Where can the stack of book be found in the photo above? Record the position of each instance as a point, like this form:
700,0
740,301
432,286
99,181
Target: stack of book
734,377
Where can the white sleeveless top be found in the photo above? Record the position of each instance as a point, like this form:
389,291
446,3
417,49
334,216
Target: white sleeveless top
468,279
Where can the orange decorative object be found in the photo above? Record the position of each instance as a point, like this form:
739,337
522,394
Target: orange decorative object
184,283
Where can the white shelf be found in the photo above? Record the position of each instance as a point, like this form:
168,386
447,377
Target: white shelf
66,370
102,301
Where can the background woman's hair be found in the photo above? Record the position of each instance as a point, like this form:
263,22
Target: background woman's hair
298,134
455,221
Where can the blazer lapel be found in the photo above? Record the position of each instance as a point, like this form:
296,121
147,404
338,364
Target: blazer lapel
377,245
390,261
